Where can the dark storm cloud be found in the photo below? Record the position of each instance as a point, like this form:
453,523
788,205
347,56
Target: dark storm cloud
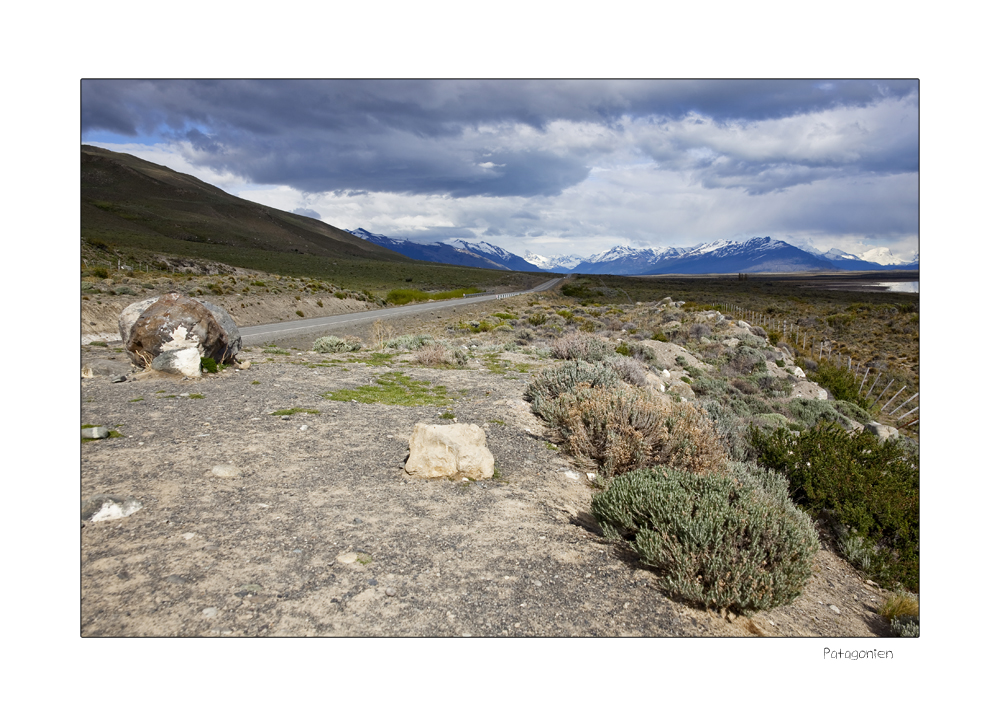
423,136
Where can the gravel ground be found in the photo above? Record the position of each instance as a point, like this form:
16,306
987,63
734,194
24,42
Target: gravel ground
268,552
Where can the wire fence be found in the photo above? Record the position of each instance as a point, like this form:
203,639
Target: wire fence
823,348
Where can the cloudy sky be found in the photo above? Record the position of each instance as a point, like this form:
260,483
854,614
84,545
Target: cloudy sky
545,166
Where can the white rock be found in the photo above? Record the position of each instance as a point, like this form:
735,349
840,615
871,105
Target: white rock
882,432
210,612
572,475
188,535
225,471
347,557
113,510
457,450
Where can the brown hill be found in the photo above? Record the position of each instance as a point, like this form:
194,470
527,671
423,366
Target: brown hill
127,200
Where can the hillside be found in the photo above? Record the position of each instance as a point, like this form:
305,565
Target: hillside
129,201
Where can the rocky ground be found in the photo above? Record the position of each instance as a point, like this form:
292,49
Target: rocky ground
309,525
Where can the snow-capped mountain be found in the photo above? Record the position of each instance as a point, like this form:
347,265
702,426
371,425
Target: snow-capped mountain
454,251
623,260
493,253
759,254
566,262
882,256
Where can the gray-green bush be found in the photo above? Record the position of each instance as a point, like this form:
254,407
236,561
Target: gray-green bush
335,344
723,539
409,341
580,346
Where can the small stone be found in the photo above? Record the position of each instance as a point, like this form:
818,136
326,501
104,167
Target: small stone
834,609
119,379
210,612
358,521
286,417
537,583
225,471
304,427
188,535
390,592
373,582
98,433
347,557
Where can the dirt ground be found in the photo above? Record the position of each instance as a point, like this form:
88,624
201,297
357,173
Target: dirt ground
269,552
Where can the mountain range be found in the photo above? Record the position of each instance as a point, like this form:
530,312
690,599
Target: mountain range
756,255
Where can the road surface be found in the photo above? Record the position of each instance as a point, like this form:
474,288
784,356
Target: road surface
265,333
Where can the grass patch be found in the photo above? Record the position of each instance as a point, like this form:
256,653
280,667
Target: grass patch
394,389
293,411
403,296
102,344
196,396
447,415
276,351
377,360
135,400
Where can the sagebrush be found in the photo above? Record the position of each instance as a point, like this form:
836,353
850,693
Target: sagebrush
725,539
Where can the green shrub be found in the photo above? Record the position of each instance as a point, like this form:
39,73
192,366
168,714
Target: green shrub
209,365
505,316
812,412
335,344
869,487
724,539
536,319
101,272
841,383
744,360
300,314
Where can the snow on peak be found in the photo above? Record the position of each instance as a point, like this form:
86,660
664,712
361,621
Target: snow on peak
882,255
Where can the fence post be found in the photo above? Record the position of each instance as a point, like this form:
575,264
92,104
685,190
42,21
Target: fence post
889,401
907,413
861,387
904,403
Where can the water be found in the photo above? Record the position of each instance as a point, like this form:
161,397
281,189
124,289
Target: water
900,286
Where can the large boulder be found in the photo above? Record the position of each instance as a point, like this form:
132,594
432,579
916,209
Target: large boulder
882,432
130,314
184,328
452,451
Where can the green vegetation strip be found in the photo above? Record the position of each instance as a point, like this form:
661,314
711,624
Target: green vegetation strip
394,389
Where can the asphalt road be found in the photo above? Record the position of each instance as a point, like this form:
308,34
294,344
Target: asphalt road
264,333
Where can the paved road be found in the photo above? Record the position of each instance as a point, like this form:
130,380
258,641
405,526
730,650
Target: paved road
255,335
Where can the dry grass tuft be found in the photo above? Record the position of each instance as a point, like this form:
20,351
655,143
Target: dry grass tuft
900,604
